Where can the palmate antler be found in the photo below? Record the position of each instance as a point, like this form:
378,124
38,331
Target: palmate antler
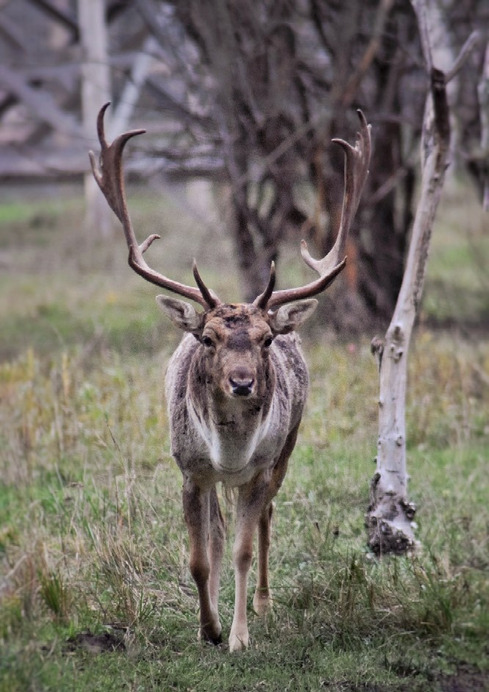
110,178
357,159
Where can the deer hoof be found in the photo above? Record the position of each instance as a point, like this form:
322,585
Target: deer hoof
238,641
262,602
212,635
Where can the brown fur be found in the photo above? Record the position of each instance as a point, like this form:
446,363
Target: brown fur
243,441
235,399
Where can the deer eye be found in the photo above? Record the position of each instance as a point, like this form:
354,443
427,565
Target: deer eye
268,341
207,341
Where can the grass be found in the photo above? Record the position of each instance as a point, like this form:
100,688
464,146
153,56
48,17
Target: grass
457,283
95,591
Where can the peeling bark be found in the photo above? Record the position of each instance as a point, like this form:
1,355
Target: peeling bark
390,515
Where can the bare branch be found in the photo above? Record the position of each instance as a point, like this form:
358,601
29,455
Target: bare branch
470,44
369,54
357,161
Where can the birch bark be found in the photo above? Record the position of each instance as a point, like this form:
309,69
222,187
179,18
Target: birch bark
390,514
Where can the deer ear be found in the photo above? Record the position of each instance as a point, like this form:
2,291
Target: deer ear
182,314
290,316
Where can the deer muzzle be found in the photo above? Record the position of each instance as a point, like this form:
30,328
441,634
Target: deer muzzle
242,382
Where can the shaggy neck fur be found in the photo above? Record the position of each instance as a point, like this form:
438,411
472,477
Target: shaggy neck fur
233,428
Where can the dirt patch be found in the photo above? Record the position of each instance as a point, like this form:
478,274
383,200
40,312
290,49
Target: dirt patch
466,679
96,643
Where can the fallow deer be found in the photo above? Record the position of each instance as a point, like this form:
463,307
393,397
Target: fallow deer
236,388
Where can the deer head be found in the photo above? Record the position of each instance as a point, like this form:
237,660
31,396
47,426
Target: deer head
235,341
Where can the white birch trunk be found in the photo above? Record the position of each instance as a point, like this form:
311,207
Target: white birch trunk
95,91
390,515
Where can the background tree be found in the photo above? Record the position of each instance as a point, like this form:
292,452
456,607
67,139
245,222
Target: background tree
266,88
249,95
95,89
390,514
271,85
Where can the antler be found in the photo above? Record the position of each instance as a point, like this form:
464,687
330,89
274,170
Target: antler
357,160
109,176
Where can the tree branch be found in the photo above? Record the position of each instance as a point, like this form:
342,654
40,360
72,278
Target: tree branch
369,54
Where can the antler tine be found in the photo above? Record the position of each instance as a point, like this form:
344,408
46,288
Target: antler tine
357,159
109,176
262,300
208,295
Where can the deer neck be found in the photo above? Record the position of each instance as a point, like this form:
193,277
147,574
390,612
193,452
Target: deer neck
233,428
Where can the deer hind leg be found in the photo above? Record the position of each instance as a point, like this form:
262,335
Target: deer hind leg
216,548
196,507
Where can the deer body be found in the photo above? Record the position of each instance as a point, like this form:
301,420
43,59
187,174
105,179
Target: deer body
235,401
228,437
236,387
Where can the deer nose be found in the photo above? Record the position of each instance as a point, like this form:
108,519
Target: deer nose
241,384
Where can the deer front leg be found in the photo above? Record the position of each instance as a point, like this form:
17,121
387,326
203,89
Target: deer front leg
196,507
251,501
262,600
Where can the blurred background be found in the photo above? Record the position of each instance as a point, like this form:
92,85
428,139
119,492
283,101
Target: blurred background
240,102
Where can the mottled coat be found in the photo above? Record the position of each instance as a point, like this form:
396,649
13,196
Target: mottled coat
236,388
230,440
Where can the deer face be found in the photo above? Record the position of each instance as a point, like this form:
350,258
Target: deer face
236,341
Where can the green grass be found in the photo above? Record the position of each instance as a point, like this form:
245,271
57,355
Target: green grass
95,591
457,282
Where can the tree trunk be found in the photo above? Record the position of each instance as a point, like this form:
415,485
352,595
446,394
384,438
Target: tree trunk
390,514
483,94
95,91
